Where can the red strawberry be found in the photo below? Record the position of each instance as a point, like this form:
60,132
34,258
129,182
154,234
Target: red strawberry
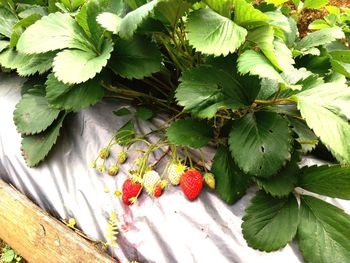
158,190
191,183
130,190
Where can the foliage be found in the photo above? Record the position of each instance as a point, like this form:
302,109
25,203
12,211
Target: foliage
234,74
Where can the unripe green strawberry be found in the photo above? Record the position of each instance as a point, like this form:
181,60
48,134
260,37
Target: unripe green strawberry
209,180
113,170
93,164
191,183
122,156
130,191
101,168
150,179
104,153
174,173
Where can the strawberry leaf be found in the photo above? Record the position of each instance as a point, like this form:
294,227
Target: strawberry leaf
52,32
230,183
36,147
323,232
260,143
247,15
72,97
192,133
203,93
33,114
327,105
220,36
136,58
333,181
76,66
270,223
125,133
7,21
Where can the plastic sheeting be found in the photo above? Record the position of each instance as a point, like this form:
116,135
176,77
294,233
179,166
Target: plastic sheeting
168,229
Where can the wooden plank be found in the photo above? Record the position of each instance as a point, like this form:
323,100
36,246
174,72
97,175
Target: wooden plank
39,237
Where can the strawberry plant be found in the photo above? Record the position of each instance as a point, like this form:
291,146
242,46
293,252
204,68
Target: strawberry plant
233,73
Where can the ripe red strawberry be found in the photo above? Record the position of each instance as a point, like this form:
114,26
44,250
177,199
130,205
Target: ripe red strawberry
158,190
130,190
191,183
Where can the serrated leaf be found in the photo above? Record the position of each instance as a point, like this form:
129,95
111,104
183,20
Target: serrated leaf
328,106
77,66
315,4
109,21
320,37
341,67
270,223
136,58
133,19
203,93
246,14
230,183
36,147
260,143
223,7
122,112
332,181
189,132
7,21
33,114
144,113
72,97
283,55
306,137
323,232
52,32
125,134
172,10
33,10
26,65
219,36
284,182
257,64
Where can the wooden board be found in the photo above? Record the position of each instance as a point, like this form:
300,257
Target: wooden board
39,237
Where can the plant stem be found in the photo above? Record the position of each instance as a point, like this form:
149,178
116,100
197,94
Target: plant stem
274,101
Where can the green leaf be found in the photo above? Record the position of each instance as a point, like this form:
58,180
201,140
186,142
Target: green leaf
77,66
283,55
26,65
136,58
8,256
33,10
203,93
315,4
318,24
230,183
260,143
219,36
122,112
72,97
133,20
36,147
284,182
33,114
306,137
323,232
109,21
341,67
320,37
257,64
332,181
246,14
172,10
341,55
223,7
144,113
125,134
326,110
192,133
52,32
270,223
7,21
